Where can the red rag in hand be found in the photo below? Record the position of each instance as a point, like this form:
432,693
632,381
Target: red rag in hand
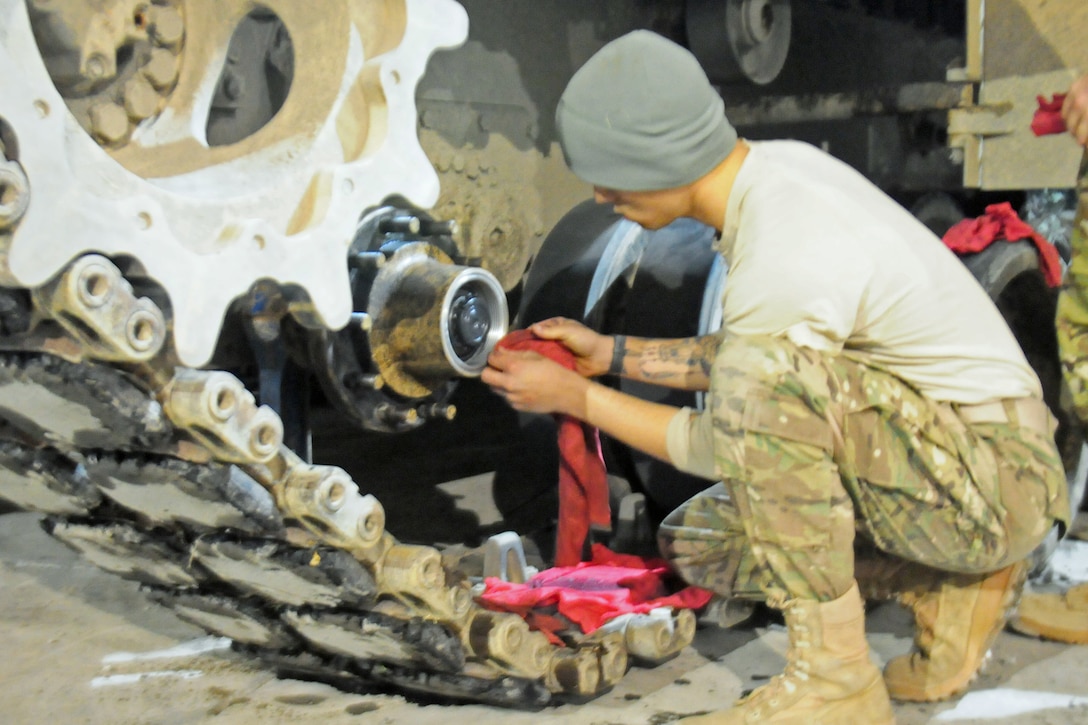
1048,118
583,483
1001,222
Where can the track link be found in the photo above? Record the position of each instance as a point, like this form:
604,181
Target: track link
176,478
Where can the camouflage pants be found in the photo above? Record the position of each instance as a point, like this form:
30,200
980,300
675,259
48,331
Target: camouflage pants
814,449
1072,318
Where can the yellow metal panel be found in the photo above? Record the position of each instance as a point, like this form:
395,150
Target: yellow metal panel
1028,48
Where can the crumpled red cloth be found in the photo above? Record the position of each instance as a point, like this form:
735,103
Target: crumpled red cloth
1001,222
583,483
1048,118
591,593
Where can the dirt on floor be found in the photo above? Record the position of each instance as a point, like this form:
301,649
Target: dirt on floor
82,646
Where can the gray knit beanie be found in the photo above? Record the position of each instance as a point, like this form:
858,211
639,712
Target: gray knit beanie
640,115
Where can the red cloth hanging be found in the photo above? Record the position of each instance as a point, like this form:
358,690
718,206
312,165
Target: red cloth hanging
591,593
583,483
1001,222
1048,118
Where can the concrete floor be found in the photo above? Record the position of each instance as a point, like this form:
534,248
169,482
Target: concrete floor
82,646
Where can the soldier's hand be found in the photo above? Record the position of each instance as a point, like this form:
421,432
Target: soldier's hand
1075,110
592,351
533,383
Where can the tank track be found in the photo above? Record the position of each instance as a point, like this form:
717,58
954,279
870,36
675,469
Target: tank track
120,418
175,478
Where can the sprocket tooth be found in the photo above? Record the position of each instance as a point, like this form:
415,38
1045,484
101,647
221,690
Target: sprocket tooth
237,620
317,576
45,481
206,496
126,551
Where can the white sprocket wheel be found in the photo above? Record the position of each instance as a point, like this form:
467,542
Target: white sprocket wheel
207,222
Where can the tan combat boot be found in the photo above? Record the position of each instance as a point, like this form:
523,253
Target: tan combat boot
957,618
829,678
1060,617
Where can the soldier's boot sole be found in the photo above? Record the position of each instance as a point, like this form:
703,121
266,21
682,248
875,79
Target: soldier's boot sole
1059,617
958,620
829,677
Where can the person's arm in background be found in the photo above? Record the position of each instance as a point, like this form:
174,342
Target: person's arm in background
1072,332
1075,110
682,363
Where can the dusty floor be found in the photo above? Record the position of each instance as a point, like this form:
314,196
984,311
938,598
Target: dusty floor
82,646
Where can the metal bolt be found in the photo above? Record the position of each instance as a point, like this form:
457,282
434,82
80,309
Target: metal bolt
161,69
95,285
362,320
437,411
231,85
369,525
167,27
359,381
14,194
265,438
394,416
97,67
333,495
436,227
109,123
222,403
402,224
144,331
141,100
366,261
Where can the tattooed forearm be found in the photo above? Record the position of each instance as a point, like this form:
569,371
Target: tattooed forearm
684,363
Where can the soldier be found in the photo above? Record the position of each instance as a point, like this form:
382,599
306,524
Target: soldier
1064,616
870,417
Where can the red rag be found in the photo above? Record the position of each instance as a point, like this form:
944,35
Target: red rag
1001,222
1048,118
591,593
583,483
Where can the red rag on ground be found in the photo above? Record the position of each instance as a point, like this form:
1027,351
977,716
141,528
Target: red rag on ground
1048,118
591,593
583,483
1001,222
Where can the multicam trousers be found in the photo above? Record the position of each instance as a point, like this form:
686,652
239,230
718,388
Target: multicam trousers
1072,318
813,449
